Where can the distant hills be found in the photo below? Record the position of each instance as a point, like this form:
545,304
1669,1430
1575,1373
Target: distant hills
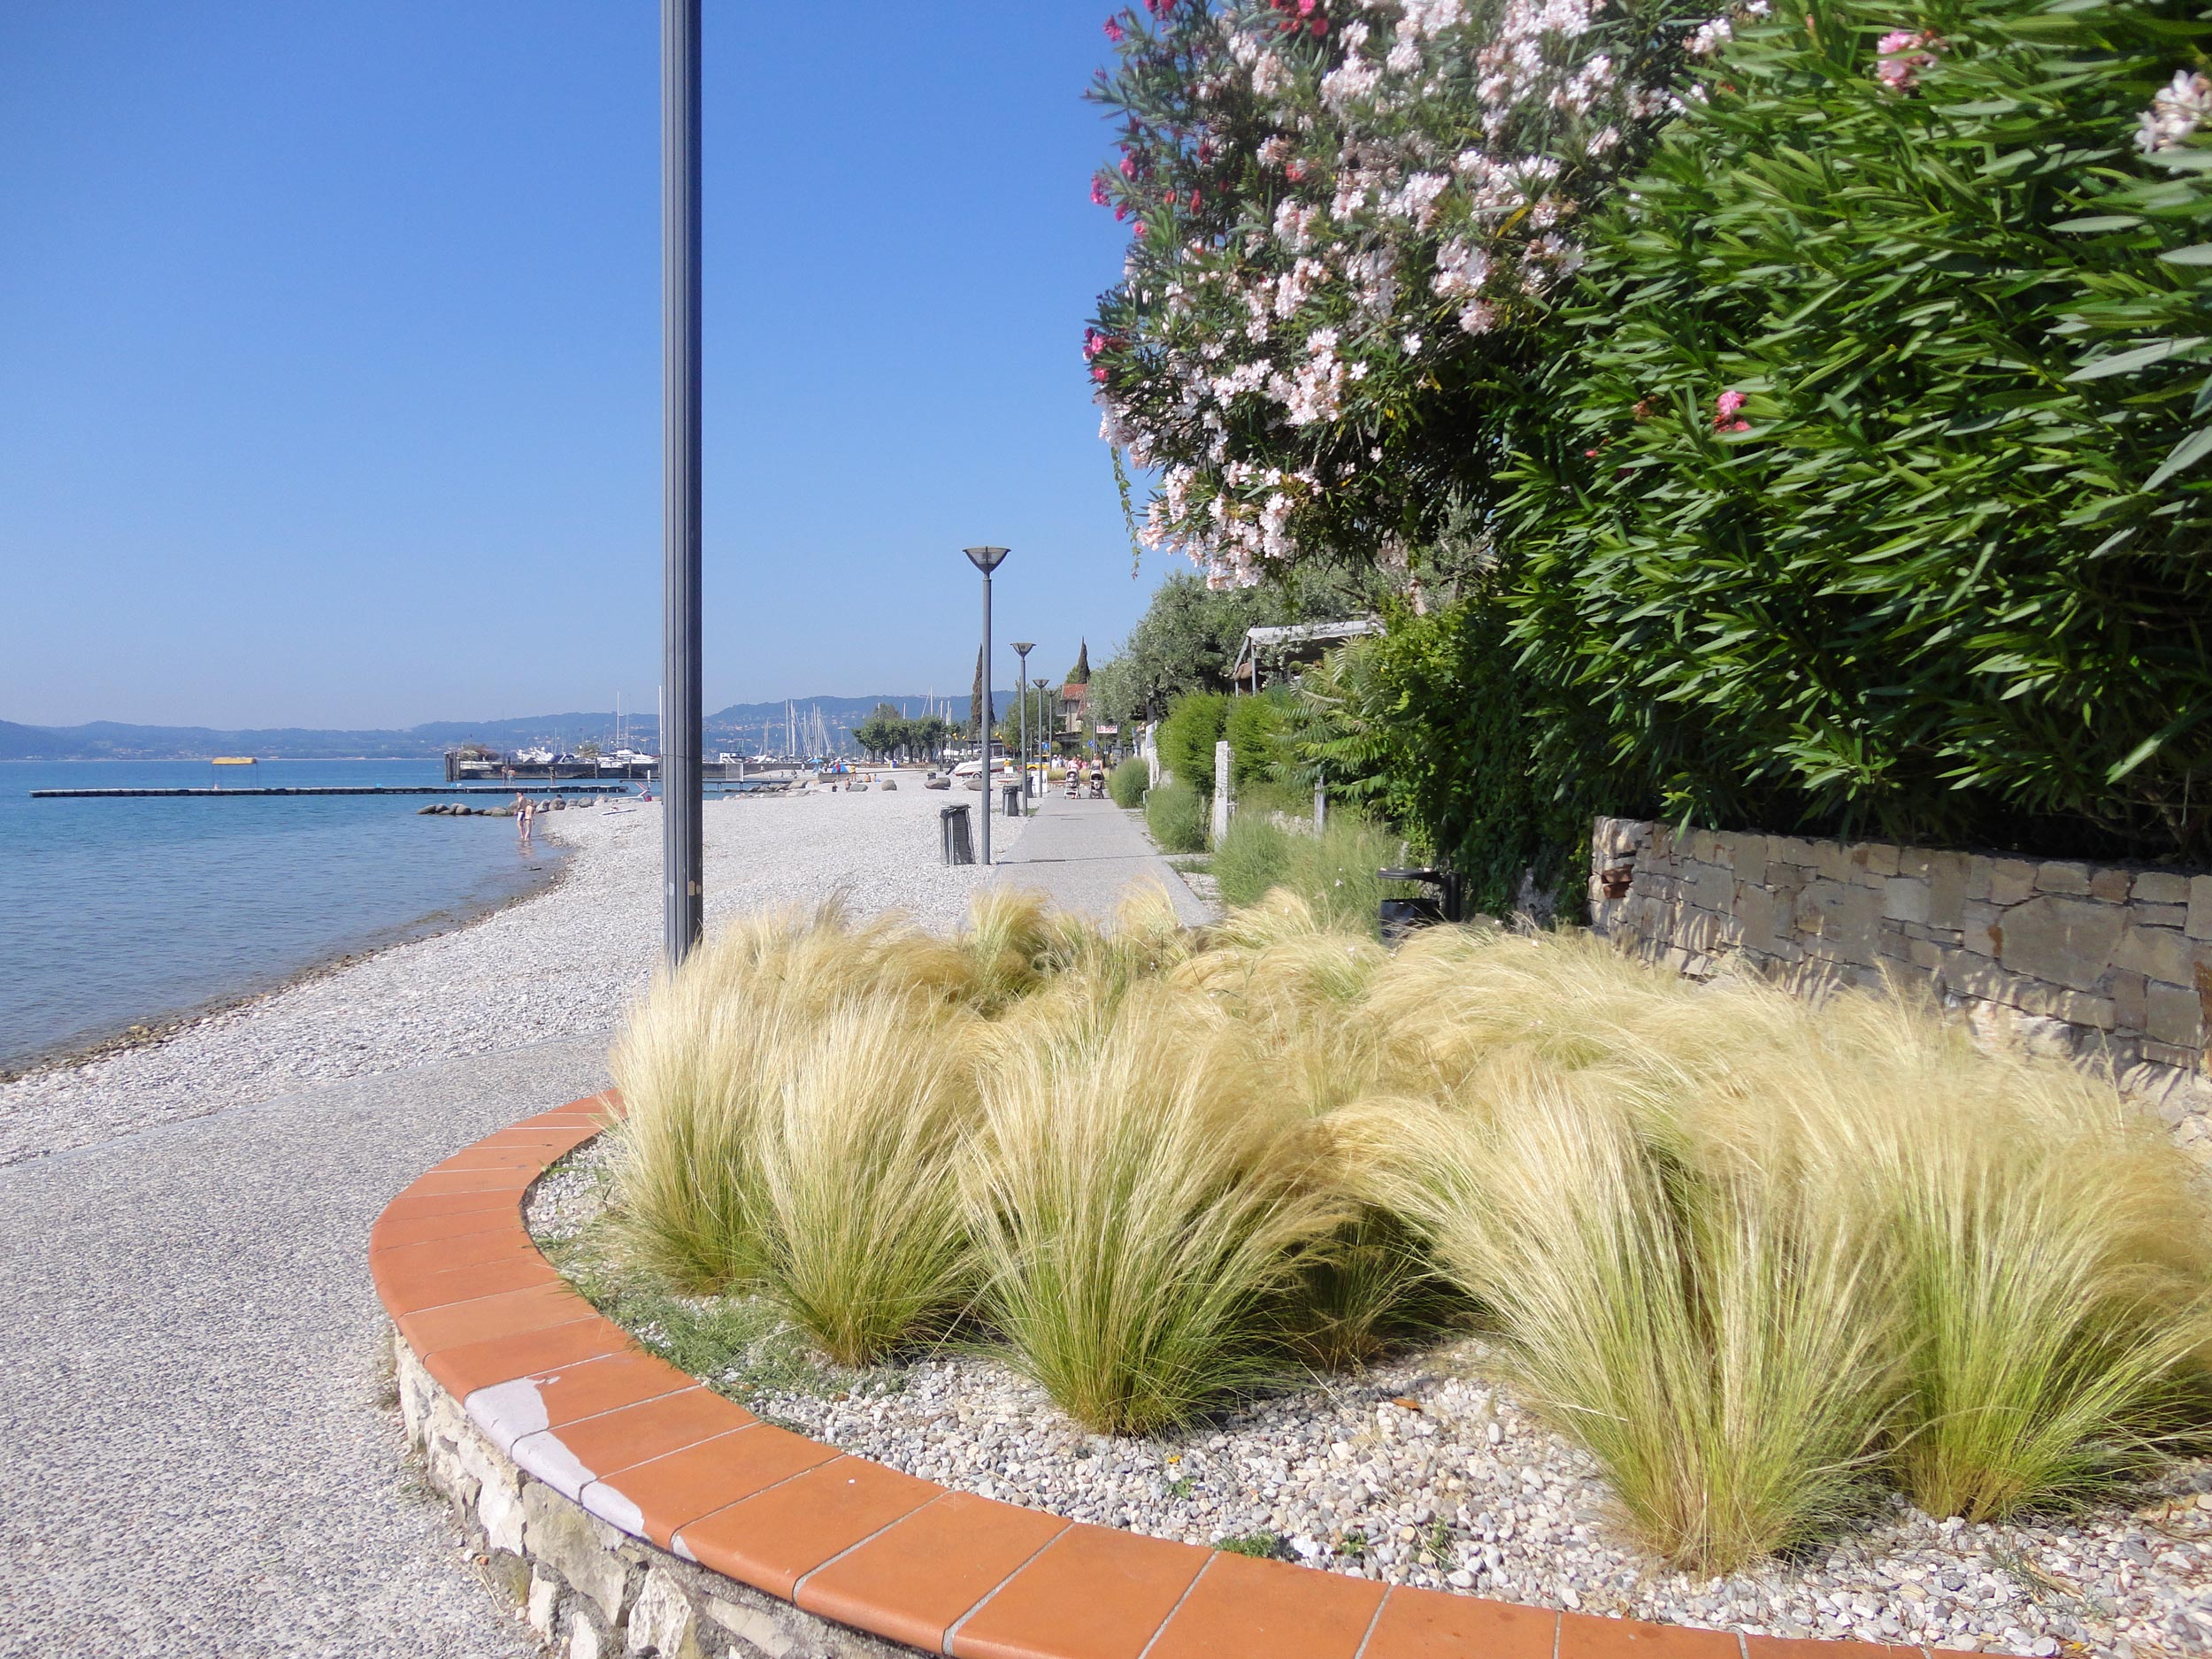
743,727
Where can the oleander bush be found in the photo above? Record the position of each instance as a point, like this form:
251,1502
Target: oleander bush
1782,417
1761,1256
1876,504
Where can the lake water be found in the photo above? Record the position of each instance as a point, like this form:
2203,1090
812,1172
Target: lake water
118,911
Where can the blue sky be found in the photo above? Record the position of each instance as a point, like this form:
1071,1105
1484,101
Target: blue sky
329,354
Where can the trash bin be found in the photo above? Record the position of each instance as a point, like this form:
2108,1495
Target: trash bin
1013,793
1400,917
959,847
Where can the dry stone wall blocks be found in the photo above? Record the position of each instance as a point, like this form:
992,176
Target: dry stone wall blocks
2107,964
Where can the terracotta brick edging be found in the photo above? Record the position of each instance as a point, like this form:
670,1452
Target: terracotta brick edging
633,1510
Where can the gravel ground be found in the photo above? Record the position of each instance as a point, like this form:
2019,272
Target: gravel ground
202,1453
561,964
202,1448
1426,1471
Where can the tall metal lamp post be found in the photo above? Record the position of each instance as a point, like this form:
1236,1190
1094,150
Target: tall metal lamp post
1043,708
986,559
1022,649
682,731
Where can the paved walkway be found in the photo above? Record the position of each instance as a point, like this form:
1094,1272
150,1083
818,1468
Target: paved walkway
201,1457
1086,854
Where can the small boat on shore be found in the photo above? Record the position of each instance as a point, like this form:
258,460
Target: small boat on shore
234,760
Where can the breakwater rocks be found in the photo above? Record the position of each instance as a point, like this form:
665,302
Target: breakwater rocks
455,809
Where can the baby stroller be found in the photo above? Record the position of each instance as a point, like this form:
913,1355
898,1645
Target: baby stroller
1098,784
1075,783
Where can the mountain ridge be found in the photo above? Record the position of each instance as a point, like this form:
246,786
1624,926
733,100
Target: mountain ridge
739,724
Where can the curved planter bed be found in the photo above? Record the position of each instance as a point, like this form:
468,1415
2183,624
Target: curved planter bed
632,1510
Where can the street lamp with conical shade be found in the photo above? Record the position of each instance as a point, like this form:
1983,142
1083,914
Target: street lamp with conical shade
986,559
1022,649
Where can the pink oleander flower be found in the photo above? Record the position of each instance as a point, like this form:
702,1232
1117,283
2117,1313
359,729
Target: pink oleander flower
1099,198
1902,54
2177,109
1128,166
1093,342
1724,412
1138,227
1114,31
1193,200
1098,372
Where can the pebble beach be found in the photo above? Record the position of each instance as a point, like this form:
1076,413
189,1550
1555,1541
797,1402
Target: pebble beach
560,965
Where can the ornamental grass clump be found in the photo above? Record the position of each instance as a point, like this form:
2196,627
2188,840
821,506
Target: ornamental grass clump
2045,1252
1175,814
1976,1265
1759,1255
1141,1199
795,1093
1720,1357
863,1243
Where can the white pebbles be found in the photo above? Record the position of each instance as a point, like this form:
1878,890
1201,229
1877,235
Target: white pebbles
1427,1472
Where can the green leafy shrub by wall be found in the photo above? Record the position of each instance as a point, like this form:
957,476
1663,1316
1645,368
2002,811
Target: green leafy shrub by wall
1834,529
1254,727
1188,736
1432,726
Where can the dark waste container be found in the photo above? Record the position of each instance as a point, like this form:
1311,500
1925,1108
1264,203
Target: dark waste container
1400,917
1013,793
959,847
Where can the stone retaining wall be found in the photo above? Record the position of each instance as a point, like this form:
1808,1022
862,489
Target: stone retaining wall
2105,963
587,1590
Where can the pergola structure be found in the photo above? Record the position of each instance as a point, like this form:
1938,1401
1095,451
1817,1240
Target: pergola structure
1298,641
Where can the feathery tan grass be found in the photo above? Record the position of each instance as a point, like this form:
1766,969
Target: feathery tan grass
1138,1201
1755,1252
733,1099
864,1243
1719,1358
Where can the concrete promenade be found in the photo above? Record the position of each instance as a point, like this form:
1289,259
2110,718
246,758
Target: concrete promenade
203,1455
1084,854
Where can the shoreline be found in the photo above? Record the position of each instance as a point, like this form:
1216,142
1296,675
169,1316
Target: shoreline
561,963
153,1030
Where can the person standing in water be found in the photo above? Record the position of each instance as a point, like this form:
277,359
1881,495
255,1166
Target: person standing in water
523,813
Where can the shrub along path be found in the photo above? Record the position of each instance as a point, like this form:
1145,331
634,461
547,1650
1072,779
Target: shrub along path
1084,854
194,1379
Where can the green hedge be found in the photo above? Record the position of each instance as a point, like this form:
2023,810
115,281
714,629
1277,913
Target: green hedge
1431,727
1187,738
